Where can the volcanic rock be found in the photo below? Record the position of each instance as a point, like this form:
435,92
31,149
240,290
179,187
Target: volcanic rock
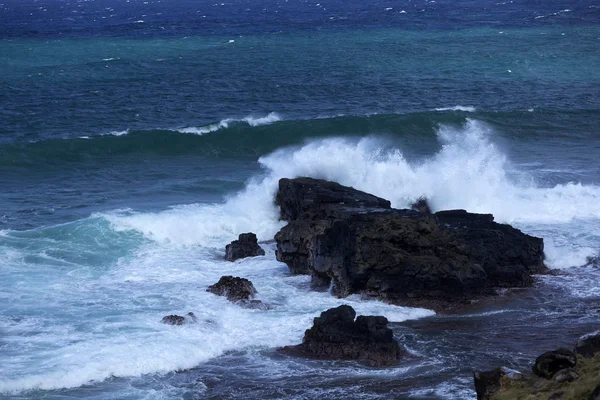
234,288
337,335
353,242
488,382
245,246
549,363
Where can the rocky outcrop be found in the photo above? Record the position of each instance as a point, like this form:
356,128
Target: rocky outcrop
549,363
245,246
560,374
234,288
337,335
488,382
179,320
354,242
239,291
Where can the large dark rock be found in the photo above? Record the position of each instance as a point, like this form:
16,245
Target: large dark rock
487,383
337,335
549,363
234,288
354,242
245,246
588,346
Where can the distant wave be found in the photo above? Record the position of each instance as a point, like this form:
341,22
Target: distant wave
457,108
250,120
255,136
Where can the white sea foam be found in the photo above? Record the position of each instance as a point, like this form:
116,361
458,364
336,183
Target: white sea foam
469,172
122,309
123,303
457,108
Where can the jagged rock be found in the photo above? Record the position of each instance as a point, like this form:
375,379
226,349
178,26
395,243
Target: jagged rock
336,334
245,246
588,346
178,319
487,383
310,206
234,288
354,242
549,363
566,375
421,205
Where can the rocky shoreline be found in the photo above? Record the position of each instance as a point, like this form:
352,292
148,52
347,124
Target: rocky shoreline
352,242
561,374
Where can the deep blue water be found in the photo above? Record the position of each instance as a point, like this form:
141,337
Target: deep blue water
137,138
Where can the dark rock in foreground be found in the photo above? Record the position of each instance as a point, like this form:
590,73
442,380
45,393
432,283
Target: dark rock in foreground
355,243
549,363
178,319
559,374
234,288
245,246
336,335
488,382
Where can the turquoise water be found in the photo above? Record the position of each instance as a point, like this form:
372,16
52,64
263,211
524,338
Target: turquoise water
132,152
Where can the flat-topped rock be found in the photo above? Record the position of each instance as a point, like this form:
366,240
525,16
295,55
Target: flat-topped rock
300,195
339,335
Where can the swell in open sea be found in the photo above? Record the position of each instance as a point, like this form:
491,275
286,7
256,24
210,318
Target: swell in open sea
130,155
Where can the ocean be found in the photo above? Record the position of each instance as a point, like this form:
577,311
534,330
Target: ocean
138,138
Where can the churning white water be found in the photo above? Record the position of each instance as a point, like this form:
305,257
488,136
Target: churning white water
84,300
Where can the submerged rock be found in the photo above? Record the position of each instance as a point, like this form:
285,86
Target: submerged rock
337,335
179,320
354,242
549,363
245,246
487,383
234,288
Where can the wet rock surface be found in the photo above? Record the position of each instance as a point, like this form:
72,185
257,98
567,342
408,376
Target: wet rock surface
245,246
354,242
339,335
234,288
